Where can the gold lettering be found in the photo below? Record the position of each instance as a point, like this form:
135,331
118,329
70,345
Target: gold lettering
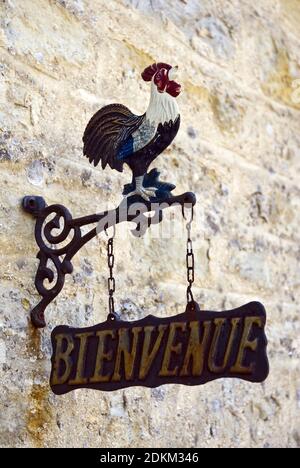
171,348
214,345
102,355
148,357
195,349
123,350
64,356
79,378
247,344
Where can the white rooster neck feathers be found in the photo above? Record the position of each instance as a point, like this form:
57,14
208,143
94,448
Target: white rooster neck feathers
162,107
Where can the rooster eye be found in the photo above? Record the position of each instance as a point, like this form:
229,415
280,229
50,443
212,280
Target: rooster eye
161,79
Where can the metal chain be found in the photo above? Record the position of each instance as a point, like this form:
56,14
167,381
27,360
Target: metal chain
111,282
190,265
190,262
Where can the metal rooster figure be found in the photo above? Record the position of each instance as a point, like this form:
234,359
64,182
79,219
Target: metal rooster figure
115,135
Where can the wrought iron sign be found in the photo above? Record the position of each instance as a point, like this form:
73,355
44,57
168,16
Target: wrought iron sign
191,348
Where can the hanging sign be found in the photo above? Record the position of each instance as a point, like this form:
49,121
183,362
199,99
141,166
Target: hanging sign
190,349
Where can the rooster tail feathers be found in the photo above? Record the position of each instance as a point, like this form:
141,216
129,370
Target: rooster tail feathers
107,131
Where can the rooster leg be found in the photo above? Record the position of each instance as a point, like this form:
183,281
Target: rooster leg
144,192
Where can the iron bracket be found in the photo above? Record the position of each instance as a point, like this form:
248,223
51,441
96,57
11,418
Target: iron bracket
72,238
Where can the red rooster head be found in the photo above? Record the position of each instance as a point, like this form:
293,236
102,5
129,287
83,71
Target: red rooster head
163,76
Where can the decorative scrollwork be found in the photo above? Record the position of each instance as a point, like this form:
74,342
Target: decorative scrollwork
46,230
53,266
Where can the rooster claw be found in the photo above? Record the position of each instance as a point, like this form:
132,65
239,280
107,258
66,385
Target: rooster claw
145,192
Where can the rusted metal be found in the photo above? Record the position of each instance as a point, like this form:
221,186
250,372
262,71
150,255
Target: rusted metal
56,251
190,349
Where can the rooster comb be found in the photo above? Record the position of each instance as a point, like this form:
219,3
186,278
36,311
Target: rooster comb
150,71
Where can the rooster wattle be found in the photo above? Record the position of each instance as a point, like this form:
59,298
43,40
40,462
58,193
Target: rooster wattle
115,136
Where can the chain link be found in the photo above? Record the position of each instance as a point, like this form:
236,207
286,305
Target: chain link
111,282
190,262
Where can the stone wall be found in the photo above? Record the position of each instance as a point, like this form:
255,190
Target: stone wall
238,149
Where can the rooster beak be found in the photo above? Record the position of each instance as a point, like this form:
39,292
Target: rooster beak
173,73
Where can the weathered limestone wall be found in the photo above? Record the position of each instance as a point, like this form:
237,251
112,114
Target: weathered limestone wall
238,149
